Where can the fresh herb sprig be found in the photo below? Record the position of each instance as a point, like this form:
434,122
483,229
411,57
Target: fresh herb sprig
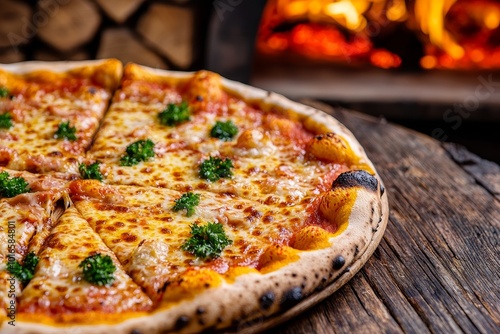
24,272
4,92
175,114
98,269
66,131
141,150
224,130
90,171
187,201
5,121
207,241
213,169
12,186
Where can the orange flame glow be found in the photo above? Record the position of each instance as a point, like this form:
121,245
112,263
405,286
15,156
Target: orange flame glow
461,34
343,30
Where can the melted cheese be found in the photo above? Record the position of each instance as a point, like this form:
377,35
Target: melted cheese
38,107
269,152
140,227
25,221
272,208
58,286
28,212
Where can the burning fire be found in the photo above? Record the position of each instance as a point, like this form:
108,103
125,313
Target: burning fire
458,34
461,34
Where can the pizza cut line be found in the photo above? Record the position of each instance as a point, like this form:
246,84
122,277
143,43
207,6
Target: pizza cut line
142,200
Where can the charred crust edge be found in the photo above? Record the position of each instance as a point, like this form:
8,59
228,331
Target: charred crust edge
267,300
338,262
356,178
291,297
181,322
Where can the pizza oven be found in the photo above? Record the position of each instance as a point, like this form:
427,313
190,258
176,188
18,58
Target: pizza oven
427,64
430,65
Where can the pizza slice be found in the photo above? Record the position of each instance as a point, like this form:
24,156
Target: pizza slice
185,249
164,109
215,141
147,227
29,207
78,279
49,112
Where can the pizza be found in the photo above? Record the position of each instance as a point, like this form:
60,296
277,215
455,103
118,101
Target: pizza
138,200
50,116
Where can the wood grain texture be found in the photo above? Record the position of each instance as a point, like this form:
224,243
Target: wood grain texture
119,10
13,28
437,269
70,26
169,29
120,43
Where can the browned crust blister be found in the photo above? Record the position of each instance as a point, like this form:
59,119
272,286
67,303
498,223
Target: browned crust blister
252,301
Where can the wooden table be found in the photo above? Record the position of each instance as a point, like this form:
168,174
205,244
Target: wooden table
437,269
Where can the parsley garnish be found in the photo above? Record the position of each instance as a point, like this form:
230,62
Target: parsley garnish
187,201
24,272
224,130
91,171
5,121
98,269
215,168
13,186
141,150
206,241
65,131
4,92
174,114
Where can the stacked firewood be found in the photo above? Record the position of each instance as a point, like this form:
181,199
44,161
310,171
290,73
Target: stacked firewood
161,34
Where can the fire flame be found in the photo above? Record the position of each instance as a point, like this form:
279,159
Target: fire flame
315,35
343,30
461,33
430,14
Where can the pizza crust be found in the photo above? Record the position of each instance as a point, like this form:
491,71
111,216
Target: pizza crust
112,69
52,66
252,301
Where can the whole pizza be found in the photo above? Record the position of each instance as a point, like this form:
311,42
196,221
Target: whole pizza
137,200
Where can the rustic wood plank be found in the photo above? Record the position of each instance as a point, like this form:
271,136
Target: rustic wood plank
119,10
70,25
120,43
437,269
170,30
485,172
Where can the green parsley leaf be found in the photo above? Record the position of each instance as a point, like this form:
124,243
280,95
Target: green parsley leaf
174,114
141,150
17,270
12,186
207,241
98,269
65,131
224,130
215,168
187,201
4,92
91,171
31,261
5,121
24,272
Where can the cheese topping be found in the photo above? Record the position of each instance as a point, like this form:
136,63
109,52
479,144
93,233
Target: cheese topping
274,203
59,273
43,100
